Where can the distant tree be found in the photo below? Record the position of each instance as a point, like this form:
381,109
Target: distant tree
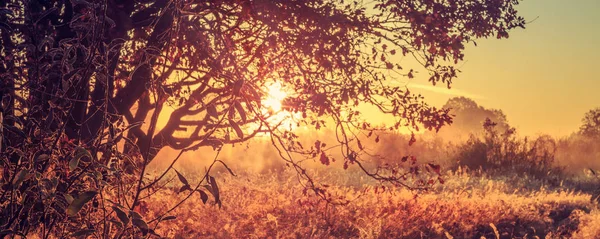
590,124
85,82
469,116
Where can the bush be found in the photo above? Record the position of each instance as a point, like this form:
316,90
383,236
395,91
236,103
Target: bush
506,154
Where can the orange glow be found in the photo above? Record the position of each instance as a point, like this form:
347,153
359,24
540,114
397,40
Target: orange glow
275,94
272,106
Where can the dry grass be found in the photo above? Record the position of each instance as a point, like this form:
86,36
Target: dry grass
273,206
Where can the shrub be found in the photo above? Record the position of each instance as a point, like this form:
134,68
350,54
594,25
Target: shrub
505,153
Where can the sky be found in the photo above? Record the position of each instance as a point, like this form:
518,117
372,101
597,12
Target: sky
544,77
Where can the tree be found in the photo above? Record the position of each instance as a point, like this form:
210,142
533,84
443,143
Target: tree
469,116
84,83
590,124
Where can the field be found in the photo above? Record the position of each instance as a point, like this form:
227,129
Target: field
518,188
273,206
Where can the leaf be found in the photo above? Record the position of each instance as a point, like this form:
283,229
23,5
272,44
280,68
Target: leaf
255,95
203,196
212,111
81,153
141,224
324,159
135,215
42,157
240,110
184,188
237,86
73,164
69,198
78,202
389,65
181,178
110,22
436,168
231,113
215,190
227,167
15,130
20,177
237,129
412,139
121,215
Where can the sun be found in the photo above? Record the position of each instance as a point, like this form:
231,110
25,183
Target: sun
275,95
272,104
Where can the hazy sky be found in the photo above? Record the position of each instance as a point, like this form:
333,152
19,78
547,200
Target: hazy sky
544,77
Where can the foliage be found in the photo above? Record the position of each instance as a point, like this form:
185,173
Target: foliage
468,117
578,152
505,153
85,85
590,124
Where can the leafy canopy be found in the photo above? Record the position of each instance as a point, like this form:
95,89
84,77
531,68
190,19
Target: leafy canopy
590,123
99,74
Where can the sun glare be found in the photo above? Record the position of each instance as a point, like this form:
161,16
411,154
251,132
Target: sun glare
275,97
273,106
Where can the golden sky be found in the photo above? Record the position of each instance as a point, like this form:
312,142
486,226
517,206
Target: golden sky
544,77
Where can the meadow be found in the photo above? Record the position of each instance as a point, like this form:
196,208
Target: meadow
273,206
495,186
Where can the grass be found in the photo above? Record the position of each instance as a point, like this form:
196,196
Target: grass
273,206
496,186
